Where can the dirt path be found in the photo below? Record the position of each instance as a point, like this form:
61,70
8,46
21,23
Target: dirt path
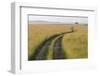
42,51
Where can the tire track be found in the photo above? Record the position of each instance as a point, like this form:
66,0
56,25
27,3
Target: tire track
58,52
44,51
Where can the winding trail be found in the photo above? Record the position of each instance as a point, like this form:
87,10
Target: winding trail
42,50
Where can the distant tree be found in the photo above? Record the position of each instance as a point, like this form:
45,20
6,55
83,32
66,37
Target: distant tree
76,23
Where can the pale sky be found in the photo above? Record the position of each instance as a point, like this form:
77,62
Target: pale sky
81,20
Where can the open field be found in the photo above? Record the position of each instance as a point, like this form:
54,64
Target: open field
56,41
76,44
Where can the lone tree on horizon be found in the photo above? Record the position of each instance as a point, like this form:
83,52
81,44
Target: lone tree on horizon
76,23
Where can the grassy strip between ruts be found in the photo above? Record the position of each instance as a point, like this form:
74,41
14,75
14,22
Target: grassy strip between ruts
50,51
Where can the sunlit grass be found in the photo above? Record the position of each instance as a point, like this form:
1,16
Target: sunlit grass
75,44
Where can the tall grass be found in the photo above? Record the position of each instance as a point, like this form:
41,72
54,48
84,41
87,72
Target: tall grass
75,44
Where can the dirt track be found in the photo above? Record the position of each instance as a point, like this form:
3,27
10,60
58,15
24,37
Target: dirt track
42,50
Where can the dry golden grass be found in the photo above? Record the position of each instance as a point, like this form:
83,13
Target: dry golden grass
75,44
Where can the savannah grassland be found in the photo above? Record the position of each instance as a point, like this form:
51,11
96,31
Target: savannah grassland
75,45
